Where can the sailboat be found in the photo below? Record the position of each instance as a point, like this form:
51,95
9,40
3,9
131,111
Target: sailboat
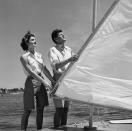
103,73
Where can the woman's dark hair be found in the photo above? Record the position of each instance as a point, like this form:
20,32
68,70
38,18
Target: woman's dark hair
25,40
54,34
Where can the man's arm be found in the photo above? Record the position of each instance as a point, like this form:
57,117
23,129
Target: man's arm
63,63
55,61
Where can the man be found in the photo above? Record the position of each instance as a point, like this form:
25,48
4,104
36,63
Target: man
60,57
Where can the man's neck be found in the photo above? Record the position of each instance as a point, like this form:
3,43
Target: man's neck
60,47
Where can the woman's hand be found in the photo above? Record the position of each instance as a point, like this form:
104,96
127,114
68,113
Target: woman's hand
49,88
36,90
47,85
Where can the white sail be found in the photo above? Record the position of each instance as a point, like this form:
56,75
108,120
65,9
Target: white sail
103,73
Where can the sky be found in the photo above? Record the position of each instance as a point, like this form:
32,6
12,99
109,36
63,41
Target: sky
41,17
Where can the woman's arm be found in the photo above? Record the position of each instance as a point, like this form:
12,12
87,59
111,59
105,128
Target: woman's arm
48,74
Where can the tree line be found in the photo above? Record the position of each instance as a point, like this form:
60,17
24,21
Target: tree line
13,90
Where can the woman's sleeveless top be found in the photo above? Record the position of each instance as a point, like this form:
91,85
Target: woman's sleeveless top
35,61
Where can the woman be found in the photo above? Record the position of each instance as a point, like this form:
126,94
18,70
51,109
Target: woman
35,85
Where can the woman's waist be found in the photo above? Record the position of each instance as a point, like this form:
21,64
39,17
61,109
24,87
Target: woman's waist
36,70
34,81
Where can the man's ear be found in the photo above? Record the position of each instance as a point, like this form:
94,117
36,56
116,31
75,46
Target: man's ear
56,40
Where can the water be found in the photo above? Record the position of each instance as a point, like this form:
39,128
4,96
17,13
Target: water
11,108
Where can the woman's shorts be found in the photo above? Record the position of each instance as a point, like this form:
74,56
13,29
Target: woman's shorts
28,97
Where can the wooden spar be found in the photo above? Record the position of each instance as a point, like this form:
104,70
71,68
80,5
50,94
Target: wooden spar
91,110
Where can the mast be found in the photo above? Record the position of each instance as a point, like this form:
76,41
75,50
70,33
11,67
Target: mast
93,28
94,15
91,110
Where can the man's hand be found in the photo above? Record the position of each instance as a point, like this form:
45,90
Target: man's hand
73,58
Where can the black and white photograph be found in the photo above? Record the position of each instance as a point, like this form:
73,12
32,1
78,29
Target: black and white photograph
66,65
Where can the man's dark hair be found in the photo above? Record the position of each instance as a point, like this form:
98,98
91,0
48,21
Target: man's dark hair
25,40
54,34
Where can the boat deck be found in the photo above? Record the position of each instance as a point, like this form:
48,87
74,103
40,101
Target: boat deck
105,126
